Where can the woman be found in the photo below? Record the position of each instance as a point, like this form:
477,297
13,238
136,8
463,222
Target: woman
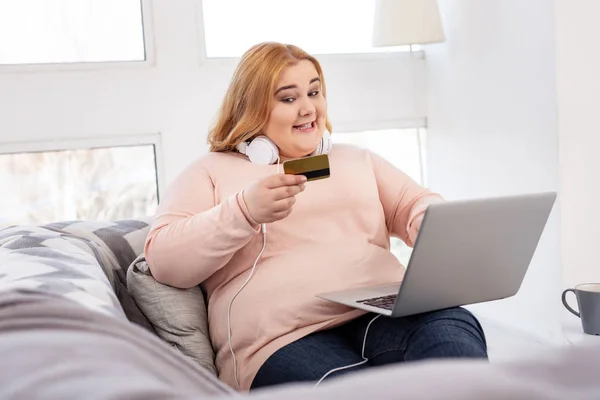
234,223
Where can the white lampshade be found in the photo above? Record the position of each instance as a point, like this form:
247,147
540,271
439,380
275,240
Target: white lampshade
406,22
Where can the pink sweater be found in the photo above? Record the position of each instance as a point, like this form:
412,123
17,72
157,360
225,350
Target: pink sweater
336,237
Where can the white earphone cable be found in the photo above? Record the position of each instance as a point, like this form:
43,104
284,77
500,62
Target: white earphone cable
264,235
365,359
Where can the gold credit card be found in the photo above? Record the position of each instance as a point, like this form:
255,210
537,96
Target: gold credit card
314,167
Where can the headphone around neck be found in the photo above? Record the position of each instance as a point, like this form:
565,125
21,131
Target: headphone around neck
262,150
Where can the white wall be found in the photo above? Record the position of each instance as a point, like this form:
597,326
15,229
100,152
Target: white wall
492,130
177,93
578,81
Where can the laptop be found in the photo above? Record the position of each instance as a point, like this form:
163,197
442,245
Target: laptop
467,252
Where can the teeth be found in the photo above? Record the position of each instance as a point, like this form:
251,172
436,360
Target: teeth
305,126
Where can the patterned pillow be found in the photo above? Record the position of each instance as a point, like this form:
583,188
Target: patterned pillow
118,244
123,240
43,260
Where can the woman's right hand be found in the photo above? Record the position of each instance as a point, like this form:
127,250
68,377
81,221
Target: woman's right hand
272,198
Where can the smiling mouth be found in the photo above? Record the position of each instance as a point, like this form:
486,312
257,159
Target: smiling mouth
305,127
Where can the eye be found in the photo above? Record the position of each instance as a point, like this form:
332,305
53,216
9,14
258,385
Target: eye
288,100
314,93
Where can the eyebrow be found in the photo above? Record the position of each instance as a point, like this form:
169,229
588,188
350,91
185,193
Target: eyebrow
294,86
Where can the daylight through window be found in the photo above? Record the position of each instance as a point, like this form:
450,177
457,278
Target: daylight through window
317,26
86,184
70,31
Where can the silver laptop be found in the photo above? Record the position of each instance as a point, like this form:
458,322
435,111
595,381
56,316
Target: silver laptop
467,251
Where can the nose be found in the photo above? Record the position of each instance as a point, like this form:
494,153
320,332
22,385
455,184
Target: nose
307,107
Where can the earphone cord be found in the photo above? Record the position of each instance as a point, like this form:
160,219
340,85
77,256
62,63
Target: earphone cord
365,359
264,234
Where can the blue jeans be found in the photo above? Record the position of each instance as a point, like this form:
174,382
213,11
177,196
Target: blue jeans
453,332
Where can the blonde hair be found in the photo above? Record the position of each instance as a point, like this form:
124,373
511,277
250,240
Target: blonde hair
246,107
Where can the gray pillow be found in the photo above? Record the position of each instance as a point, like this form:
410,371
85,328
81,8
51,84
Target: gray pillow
179,316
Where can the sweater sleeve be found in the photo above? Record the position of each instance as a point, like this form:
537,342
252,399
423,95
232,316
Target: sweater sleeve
403,199
192,237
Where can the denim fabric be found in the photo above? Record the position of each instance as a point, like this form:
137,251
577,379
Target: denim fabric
452,332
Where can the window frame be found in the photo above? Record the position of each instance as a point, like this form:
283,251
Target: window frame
411,52
147,9
153,139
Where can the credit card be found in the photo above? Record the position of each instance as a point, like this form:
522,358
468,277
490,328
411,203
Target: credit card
313,167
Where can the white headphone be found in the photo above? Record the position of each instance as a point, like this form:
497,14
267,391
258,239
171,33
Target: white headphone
262,150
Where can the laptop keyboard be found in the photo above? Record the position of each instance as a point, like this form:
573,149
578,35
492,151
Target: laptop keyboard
385,302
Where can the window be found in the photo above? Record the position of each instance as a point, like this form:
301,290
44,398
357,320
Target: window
68,31
405,149
402,147
85,184
320,27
